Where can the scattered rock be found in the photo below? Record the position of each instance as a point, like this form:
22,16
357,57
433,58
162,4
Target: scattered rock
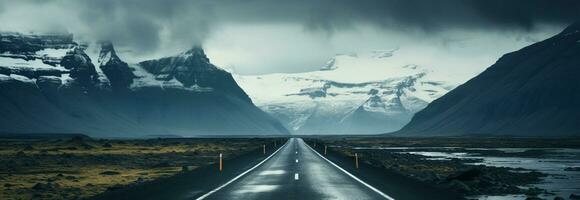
107,145
114,187
45,186
109,173
468,175
162,164
77,139
534,192
139,180
533,198
28,147
51,179
187,168
459,186
20,153
572,169
86,146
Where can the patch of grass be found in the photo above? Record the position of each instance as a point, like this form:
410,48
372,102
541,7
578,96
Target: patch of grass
80,168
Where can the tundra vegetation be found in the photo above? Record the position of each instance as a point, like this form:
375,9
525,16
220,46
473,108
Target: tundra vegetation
82,167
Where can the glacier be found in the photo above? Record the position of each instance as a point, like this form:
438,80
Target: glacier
355,93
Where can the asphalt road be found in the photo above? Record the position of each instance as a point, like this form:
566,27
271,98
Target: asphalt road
295,172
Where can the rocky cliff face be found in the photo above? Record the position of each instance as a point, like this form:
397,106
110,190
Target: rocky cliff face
531,92
118,72
193,69
80,67
48,84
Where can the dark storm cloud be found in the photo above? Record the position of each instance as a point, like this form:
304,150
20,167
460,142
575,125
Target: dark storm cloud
145,24
428,15
139,24
526,13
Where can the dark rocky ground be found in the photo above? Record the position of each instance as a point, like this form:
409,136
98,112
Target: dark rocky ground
454,174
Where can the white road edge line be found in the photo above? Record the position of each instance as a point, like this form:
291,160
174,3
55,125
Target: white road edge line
352,176
242,174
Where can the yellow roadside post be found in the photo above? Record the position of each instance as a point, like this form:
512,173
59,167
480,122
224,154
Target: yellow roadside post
325,147
221,162
264,149
356,159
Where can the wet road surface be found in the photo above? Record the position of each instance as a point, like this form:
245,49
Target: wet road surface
295,172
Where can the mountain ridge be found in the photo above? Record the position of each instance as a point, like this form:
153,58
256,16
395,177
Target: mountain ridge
60,89
530,92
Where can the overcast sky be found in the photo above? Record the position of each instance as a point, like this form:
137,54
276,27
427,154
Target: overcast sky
266,36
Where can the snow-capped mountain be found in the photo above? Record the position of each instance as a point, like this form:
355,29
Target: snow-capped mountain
49,84
371,92
27,56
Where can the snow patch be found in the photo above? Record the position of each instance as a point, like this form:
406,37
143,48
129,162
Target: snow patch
34,64
146,79
51,52
4,77
66,79
22,78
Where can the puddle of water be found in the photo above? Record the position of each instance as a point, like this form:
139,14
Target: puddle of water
506,197
272,172
257,188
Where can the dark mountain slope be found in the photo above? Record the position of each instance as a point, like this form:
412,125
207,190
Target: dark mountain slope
531,92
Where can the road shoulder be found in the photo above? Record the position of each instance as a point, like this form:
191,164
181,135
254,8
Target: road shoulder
192,184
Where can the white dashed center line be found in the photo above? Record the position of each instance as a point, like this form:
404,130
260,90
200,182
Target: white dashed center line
296,160
296,177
